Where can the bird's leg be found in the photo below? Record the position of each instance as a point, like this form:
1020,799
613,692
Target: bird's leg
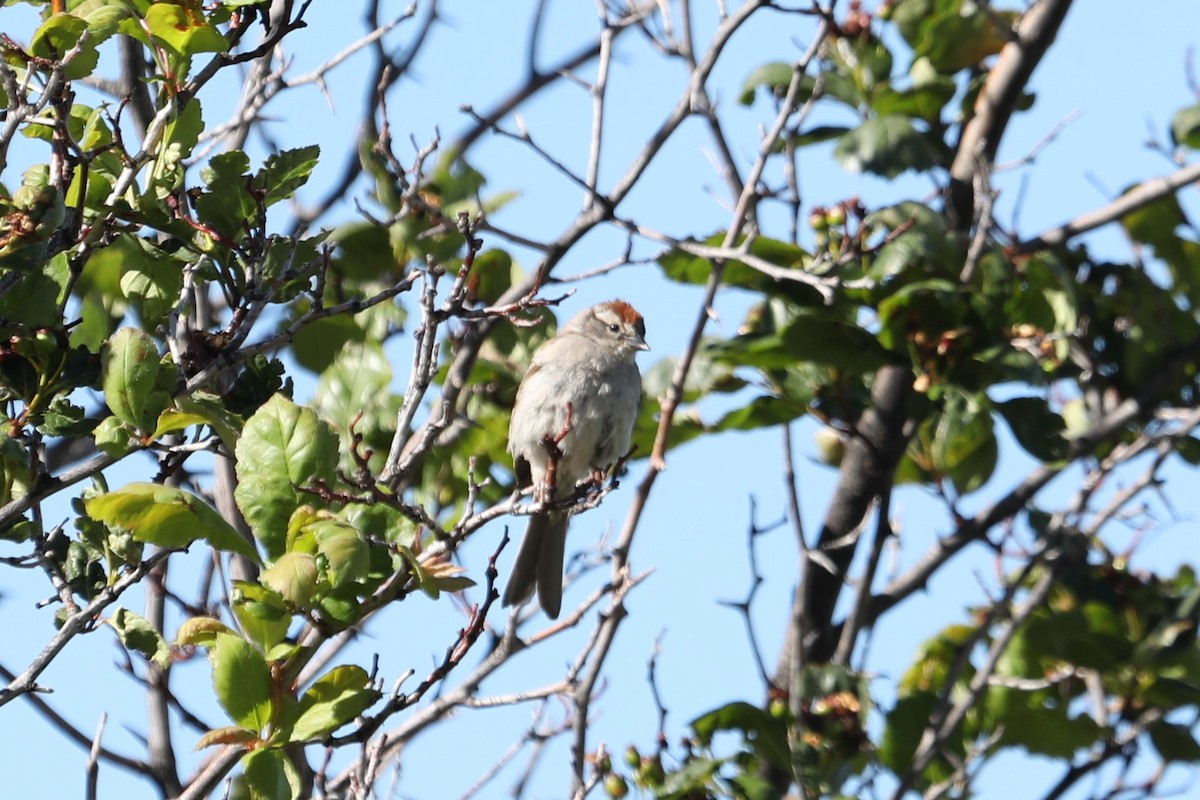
555,453
616,470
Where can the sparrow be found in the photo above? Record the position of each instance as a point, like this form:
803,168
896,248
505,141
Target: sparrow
574,411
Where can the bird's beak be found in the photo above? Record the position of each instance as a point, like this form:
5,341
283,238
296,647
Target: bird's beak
638,343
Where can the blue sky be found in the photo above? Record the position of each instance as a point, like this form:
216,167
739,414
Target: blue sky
1121,68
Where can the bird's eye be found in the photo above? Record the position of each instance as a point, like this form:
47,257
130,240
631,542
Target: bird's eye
614,327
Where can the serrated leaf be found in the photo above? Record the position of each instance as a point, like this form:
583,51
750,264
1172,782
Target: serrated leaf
242,681
333,700
227,205
282,448
167,517
286,171
139,635
130,364
57,36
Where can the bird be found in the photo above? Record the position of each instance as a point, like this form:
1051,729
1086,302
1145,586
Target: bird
575,409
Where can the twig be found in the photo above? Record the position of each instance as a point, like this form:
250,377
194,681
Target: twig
74,624
1141,195
93,762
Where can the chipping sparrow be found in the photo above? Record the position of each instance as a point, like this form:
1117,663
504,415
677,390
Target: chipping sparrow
581,395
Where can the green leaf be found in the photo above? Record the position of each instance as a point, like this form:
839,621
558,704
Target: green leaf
260,380
952,34
925,102
931,307
905,724
150,280
963,444
354,385
139,635
285,172
63,418
1042,726
57,36
227,205
35,297
1174,742
683,267
242,681
812,338
201,631
201,408
694,779
1185,127
316,346
344,551
864,59
333,700
1038,429
761,412
102,16
492,274
262,613
1156,223
270,775
167,517
363,251
179,138
283,447
228,734
818,134
184,29
775,77
293,577
287,265
767,734
130,372
887,146
114,437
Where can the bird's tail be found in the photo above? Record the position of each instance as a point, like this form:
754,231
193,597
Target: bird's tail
539,563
